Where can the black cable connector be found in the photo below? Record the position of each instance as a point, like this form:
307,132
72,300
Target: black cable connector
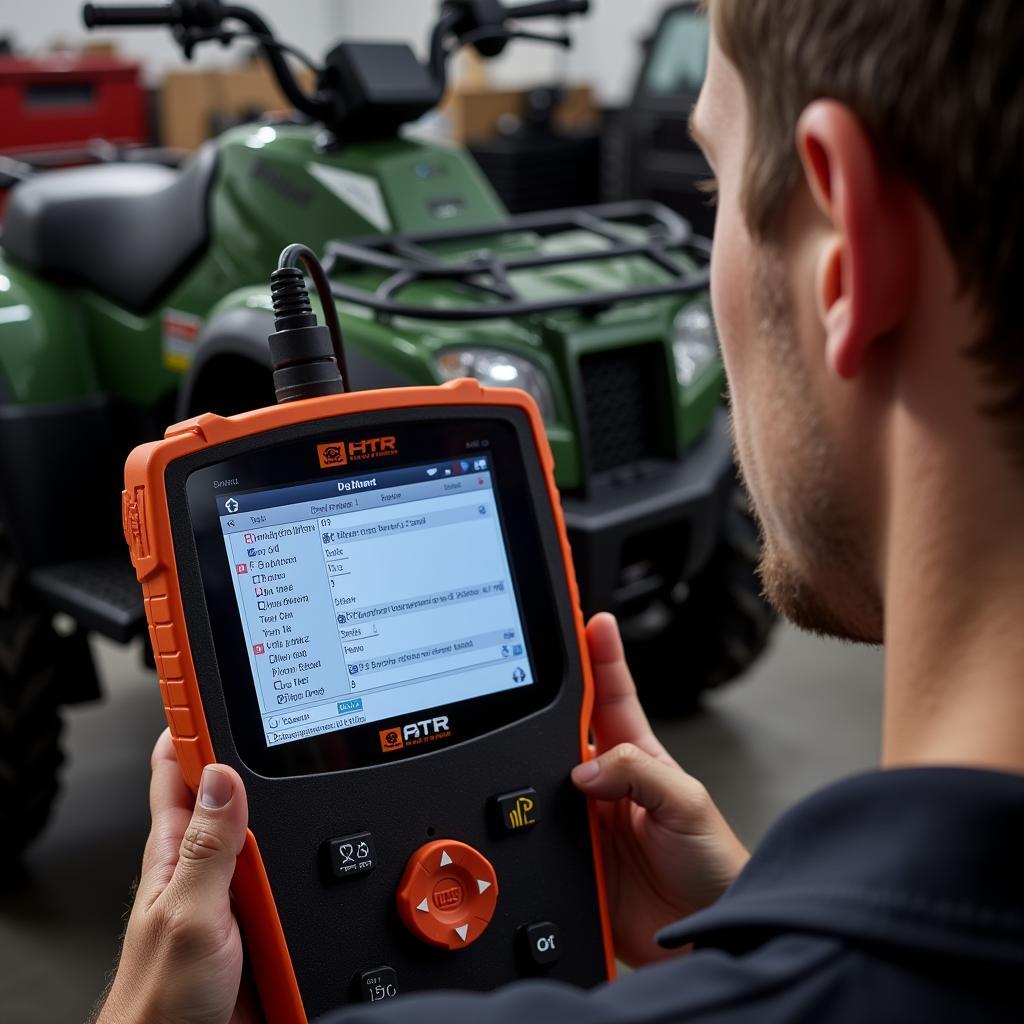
308,360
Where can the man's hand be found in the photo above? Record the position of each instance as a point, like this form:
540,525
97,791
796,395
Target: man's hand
182,957
668,851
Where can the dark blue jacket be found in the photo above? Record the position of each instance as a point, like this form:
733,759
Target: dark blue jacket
894,896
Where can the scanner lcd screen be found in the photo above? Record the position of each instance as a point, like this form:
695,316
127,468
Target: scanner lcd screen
374,596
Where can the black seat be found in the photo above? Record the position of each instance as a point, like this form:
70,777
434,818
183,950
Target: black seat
125,230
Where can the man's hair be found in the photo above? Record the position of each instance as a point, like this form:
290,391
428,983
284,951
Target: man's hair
939,87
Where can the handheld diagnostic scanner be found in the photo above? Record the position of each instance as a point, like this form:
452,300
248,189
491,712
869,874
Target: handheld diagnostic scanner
365,604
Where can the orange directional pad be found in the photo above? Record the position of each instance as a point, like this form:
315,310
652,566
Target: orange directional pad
447,894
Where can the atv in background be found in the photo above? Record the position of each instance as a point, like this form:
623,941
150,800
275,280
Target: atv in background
134,295
649,152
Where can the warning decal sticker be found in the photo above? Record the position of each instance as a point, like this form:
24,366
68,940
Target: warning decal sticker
180,338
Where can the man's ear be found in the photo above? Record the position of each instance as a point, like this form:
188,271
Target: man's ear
866,265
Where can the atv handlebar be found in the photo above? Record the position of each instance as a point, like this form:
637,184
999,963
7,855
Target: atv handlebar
483,24
479,23
126,16
206,15
548,9
197,21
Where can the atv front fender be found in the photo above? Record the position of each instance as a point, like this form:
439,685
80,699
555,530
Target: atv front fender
234,341
44,348
57,485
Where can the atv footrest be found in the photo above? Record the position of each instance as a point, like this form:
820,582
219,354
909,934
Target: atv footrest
100,593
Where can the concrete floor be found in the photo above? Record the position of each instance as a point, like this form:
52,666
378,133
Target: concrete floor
808,714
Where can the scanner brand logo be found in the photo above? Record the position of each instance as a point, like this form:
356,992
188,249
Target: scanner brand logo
332,454
341,453
391,739
412,734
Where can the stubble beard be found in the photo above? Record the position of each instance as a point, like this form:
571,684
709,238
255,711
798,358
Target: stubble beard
822,581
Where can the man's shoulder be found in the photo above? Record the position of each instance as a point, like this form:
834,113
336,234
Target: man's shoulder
889,896
787,978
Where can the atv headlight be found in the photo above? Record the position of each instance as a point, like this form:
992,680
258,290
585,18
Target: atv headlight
499,369
696,345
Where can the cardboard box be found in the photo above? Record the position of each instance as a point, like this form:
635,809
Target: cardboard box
474,110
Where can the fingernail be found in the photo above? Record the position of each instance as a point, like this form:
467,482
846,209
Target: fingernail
215,788
586,772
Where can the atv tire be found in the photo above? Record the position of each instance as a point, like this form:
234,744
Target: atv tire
32,662
709,630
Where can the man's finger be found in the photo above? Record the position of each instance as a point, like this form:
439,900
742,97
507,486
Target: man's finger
212,841
676,799
170,807
618,716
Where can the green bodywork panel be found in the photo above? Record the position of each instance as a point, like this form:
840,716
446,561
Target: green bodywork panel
272,191
44,341
274,186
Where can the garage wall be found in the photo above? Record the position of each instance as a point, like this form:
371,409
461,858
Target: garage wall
607,44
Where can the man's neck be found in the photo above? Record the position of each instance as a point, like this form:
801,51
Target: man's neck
954,597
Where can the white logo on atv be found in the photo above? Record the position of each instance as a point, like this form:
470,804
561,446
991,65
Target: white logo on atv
359,191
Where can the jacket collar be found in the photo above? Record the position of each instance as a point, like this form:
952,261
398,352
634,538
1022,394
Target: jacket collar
928,859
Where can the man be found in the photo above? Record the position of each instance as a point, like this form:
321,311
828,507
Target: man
867,256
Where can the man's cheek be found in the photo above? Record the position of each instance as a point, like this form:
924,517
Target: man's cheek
732,288
730,296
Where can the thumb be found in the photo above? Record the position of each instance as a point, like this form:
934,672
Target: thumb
618,716
676,800
213,839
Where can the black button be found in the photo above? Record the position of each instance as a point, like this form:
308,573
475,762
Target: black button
513,812
541,942
352,855
380,983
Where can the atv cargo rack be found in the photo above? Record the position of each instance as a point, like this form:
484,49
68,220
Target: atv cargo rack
407,262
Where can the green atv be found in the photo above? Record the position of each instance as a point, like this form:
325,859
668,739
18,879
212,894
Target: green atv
135,295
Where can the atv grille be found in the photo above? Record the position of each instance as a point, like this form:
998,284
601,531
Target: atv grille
623,397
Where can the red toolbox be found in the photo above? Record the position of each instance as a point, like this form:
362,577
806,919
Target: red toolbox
63,101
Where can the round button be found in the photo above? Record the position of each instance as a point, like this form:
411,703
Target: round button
447,894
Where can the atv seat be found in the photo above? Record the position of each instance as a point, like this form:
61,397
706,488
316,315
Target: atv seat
125,230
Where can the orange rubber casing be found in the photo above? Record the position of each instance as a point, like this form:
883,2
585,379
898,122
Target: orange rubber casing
147,530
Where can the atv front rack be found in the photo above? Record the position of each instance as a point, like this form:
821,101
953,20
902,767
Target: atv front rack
407,261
